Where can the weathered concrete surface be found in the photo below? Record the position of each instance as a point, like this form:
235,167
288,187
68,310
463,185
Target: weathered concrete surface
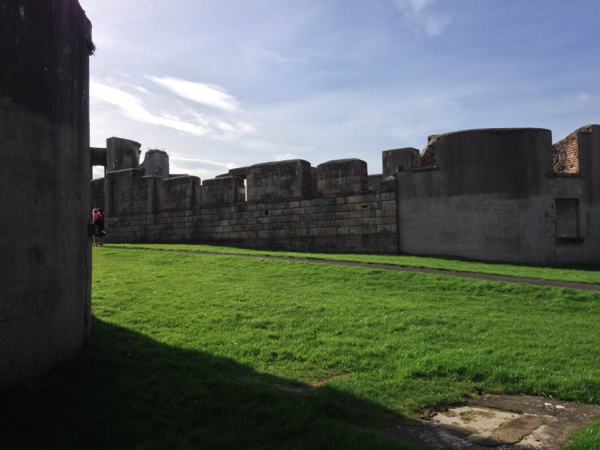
492,197
399,160
504,422
122,154
45,253
156,163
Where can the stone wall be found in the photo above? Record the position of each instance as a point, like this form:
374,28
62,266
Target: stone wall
342,176
281,179
365,222
181,192
491,194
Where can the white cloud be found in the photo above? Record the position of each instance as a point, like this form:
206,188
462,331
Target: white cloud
416,13
203,161
583,98
436,25
413,5
199,125
285,157
205,94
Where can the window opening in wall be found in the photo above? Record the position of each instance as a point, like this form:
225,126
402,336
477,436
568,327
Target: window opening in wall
245,190
266,212
567,220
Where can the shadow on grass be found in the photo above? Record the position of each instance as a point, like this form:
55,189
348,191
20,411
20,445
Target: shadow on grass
126,390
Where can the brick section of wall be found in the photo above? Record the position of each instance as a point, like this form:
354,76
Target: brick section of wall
428,156
364,222
342,176
223,191
279,180
181,192
565,155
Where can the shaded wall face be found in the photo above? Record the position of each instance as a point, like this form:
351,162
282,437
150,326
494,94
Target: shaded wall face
122,154
488,199
399,160
44,186
156,163
283,179
223,191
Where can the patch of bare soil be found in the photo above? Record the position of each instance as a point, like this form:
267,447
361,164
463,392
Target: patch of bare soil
500,422
311,386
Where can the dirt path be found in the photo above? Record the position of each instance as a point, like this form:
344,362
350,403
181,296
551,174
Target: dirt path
452,273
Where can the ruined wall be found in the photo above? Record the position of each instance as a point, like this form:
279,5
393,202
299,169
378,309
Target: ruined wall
345,223
577,200
342,176
281,179
283,213
223,191
181,192
156,163
130,191
45,252
122,154
492,195
565,155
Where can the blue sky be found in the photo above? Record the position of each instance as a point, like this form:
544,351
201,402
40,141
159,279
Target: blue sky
226,83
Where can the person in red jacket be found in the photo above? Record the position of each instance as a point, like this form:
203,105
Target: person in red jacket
98,219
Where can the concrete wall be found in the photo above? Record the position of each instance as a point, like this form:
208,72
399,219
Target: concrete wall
398,160
156,163
45,252
122,154
491,195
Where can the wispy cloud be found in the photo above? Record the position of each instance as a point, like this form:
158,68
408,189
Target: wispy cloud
285,157
418,14
583,98
205,94
175,156
192,122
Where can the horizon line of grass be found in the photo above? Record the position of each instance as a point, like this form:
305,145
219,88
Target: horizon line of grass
580,273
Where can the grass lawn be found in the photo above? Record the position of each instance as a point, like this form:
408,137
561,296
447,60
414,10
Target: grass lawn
188,351
578,273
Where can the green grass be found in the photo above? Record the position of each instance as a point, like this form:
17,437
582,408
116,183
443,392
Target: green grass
577,273
188,350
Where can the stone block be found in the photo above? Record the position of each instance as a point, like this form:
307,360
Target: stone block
342,176
224,190
278,180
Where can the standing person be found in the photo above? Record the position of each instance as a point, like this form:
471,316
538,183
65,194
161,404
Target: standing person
98,219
